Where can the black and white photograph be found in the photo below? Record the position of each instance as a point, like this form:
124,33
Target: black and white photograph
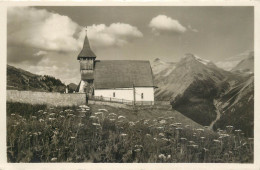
130,84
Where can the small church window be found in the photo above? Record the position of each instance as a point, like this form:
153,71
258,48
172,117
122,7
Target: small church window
114,94
142,95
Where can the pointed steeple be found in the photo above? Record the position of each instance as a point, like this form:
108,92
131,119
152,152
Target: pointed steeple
86,51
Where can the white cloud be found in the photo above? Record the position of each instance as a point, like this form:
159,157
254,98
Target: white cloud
38,28
116,34
44,30
163,23
40,53
192,29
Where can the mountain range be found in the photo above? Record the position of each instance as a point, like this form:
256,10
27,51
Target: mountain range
206,93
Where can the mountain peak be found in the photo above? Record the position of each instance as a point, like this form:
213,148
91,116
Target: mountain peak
191,57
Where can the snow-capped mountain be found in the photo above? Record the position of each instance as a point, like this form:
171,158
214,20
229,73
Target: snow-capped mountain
194,86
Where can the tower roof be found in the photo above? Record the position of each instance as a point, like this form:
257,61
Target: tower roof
86,50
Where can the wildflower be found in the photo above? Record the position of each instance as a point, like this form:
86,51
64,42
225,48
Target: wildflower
229,126
121,117
95,124
238,130
51,119
162,121
173,125
34,117
12,114
178,124
244,144
202,137
162,156
84,106
200,130
195,146
224,135
161,134
191,142
40,111
165,139
187,126
131,123
123,134
178,128
112,114
137,150
44,113
53,159
138,146
159,128
92,117
206,150
41,120
148,135
98,113
61,116
183,139
112,120
168,156
217,141
72,137
80,124
105,110
155,139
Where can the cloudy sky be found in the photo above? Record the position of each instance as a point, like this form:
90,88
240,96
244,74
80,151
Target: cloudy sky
47,40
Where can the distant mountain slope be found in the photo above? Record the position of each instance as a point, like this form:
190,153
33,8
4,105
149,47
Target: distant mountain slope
19,79
237,107
230,62
194,85
246,65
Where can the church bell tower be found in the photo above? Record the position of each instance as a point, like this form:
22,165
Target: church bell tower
87,63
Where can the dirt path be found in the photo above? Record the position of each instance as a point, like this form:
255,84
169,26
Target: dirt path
218,115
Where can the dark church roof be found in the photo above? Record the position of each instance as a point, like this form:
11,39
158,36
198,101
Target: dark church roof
86,50
110,74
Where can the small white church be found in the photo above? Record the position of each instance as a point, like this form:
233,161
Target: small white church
130,80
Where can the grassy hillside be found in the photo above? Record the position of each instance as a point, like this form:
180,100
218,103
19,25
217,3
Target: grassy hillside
105,134
18,79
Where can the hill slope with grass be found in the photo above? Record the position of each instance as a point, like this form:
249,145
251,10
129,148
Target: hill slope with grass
18,79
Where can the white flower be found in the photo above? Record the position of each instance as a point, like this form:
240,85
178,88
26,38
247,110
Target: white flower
105,110
162,122
92,117
162,156
121,117
123,134
98,113
112,114
53,159
161,134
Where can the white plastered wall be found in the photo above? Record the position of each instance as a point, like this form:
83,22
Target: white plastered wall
127,93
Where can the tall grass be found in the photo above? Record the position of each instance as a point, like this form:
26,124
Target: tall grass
78,134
